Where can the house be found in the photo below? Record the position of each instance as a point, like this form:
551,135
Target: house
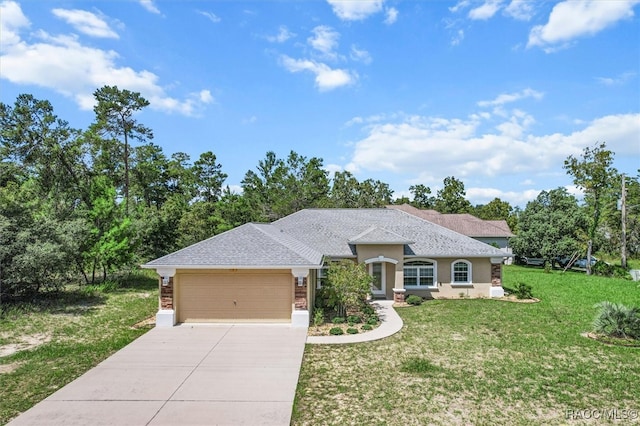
493,232
270,272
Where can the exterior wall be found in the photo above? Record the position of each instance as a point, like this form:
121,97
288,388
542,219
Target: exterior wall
396,252
480,286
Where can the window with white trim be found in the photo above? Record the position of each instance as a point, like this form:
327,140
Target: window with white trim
461,272
420,274
321,277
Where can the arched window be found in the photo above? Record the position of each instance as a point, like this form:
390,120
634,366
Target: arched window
461,272
421,274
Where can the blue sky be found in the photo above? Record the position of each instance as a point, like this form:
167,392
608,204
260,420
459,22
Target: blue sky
494,92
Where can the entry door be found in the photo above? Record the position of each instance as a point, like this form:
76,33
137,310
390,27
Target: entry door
377,271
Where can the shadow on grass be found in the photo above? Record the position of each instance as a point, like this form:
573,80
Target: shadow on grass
77,299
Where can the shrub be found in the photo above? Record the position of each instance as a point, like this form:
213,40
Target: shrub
523,291
338,320
318,317
414,300
547,267
367,327
352,330
354,319
367,309
372,320
617,320
336,331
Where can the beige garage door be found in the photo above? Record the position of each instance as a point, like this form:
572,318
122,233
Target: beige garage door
235,296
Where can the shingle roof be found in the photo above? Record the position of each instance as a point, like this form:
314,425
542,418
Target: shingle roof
303,238
463,223
251,244
330,230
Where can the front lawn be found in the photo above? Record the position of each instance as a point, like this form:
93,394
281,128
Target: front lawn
482,362
49,342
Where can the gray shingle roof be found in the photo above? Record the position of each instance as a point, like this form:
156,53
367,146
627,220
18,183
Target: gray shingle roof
248,245
302,238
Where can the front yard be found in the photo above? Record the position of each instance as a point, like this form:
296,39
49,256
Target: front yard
482,362
48,343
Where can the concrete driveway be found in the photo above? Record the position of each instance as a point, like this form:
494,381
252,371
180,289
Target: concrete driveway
185,375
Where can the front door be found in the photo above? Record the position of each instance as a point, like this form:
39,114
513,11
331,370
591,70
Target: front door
377,271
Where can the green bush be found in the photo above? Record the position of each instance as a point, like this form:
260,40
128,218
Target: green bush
606,270
352,330
336,331
367,327
338,320
414,300
354,319
523,291
372,320
318,317
617,320
367,309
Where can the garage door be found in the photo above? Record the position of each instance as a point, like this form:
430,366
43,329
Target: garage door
234,297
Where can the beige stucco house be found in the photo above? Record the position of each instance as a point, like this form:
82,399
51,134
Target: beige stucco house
270,272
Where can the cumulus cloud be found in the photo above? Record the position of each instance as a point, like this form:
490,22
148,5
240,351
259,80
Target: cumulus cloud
521,10
577,18
360,55
486,10
148,4
427,149
86,22
283,35
326,78
392,16
62,63
355,10
324,40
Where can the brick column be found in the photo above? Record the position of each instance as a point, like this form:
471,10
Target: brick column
496,275
166,294
300,294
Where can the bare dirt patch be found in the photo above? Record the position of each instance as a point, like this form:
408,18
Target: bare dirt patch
512,298
145,323
8,368
611,341
24,343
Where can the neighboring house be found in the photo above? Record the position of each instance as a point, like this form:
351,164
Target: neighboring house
493,232
270,272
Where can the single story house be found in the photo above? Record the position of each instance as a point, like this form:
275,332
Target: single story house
270,272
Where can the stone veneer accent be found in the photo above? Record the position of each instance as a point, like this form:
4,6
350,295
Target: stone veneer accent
166,294
301,294
496,275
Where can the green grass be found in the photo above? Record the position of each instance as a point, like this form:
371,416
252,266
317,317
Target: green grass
481,362
63,335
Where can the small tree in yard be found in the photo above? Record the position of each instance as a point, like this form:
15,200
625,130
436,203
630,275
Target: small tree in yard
348,285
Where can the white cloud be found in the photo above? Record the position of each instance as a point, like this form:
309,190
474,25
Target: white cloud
326,78
457,38
355,10
431,148
505,98
392,16
63,64
521,10
486,11
148,4
12,20
576,18
210,16
86,22
463,4
360,55
325,40
486,195
283,35
618,80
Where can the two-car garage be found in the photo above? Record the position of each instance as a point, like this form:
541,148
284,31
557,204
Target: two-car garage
233,295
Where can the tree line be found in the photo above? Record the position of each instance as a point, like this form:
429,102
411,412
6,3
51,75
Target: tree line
80,204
